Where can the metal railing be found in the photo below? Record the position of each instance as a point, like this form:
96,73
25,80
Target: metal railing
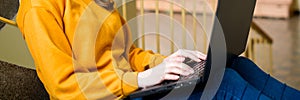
8,21
259,47
177,12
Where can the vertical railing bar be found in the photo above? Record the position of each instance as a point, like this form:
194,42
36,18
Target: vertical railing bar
253,49
261,55
157,26
264,55
267,54
142,11
124,9
195,24
172,25
271,57
205,28
183,16
257,51
250,47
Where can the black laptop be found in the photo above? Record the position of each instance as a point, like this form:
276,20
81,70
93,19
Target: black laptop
235,17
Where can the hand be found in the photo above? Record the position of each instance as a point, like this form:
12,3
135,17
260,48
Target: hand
170,68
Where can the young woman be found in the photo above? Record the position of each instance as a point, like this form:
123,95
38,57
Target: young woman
81,51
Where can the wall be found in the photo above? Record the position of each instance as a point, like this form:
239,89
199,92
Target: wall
13,48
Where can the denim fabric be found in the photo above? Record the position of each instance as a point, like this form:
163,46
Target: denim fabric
234,87
257,78
245,81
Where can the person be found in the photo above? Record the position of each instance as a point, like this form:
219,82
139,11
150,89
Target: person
49,28
59,35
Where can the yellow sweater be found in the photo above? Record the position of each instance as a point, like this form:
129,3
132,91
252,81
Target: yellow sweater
76,56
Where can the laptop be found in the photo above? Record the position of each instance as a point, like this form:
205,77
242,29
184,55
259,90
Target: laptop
235,17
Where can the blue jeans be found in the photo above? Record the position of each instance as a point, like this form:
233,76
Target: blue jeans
244,80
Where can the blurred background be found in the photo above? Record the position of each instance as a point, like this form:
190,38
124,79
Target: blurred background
273,43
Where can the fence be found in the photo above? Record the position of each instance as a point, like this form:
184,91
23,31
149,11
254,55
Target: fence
195,19
188,25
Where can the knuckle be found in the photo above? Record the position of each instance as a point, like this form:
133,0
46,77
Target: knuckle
162,78
168,70
176,70
166,76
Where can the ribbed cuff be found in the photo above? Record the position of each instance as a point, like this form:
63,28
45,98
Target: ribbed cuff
129,82
156,59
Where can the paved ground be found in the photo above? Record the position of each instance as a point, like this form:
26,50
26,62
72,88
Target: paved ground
286,48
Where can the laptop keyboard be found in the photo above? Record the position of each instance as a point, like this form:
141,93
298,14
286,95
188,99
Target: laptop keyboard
197,66
167,85
198,71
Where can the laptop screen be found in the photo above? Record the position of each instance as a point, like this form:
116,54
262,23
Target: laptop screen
235,18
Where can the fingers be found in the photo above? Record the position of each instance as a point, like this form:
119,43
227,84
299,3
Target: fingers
201,55
194,55
174,65
179,69
185,53
170,77
175,59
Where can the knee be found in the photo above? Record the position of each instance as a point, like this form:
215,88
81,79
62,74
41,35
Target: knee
231,79
242,61
231,74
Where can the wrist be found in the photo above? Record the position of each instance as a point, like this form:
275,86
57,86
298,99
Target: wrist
140,80
143,78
